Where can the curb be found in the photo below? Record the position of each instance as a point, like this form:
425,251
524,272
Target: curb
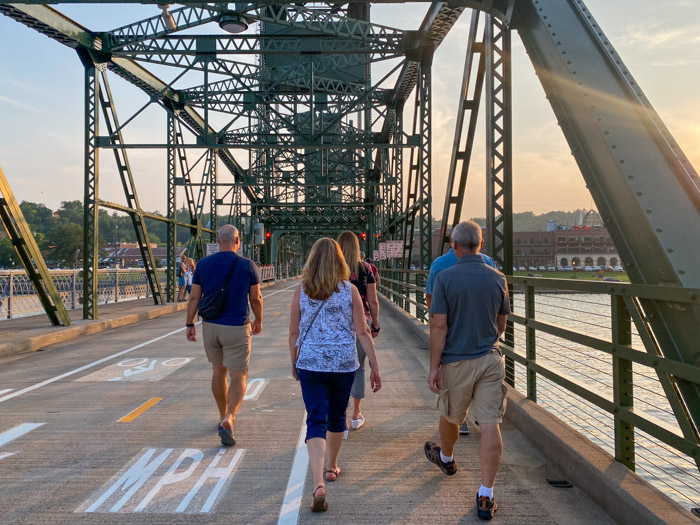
620,493
69,333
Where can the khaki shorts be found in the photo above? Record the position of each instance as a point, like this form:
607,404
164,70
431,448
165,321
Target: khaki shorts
227,345
477,383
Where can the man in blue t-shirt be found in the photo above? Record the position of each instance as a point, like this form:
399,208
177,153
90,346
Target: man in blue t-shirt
442,263
227,337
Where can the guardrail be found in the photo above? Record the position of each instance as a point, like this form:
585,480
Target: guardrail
18,299
572,347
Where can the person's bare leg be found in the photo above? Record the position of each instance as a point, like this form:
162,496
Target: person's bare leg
219,387
356,409
236,391
335,441
317,453
181,293
490,449
449,434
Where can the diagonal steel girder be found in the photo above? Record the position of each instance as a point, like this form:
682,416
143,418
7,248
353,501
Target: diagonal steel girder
61,28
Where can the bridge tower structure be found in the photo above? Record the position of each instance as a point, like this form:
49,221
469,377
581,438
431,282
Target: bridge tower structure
290,126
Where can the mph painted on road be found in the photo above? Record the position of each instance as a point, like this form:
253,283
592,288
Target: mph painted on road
138,369
166,481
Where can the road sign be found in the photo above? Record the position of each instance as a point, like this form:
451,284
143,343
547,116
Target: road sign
138,369
375,255
394,249
382,251
213,247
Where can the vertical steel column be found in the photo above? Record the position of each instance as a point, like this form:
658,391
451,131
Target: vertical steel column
213,220
499,158
623,382
424,157
530,345
91,193
171,254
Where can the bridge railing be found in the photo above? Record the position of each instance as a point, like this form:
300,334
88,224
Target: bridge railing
18,298
573,347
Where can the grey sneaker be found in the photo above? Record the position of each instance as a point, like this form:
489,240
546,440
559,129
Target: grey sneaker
464,429
432,452
485,507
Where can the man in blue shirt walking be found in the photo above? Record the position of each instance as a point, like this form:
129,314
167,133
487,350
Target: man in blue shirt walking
442,263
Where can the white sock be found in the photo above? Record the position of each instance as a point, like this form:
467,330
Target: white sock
485,491
446,459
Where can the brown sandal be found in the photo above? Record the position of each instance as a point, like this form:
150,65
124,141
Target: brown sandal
319,502
333,474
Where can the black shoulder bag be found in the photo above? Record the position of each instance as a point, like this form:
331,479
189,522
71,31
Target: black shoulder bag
212,306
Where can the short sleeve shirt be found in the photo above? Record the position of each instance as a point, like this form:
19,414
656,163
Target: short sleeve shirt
361,281
210,274
445,261
472,294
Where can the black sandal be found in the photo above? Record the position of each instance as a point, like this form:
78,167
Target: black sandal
334,473
319,502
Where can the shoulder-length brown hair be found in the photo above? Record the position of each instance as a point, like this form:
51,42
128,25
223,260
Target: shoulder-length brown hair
351,250
325,269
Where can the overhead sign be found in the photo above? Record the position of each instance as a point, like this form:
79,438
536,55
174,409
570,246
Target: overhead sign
138,369
213,247
382,251
167,481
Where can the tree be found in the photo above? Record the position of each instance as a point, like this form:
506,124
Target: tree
8,256
67,241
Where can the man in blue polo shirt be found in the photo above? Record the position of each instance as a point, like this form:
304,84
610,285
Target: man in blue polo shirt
468,314
441,263
227,337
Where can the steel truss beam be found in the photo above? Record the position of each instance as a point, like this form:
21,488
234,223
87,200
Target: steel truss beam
469,103
29,255
642,183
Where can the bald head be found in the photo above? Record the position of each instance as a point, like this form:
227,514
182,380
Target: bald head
228,236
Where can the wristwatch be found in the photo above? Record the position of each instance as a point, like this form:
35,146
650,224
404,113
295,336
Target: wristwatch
189,325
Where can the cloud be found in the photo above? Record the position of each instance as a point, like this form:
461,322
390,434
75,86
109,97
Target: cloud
18,104
652,35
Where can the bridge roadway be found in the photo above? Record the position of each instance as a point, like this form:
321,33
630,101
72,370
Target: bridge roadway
68,455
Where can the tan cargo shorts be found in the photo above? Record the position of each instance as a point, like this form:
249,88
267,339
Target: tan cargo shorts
477,383
227,345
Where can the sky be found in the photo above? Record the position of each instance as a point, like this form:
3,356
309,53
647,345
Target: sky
41,106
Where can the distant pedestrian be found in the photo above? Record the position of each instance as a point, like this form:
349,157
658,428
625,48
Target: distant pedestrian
181,270
191,267
326,317
441,263
468,314
227,337
362,277
372,267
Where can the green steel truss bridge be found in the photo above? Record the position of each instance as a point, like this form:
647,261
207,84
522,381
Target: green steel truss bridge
288,127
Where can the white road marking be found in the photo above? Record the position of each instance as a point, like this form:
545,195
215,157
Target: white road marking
85,367
6,390
254,388
104,360
159,482
7,454
17,432
137,369
289,514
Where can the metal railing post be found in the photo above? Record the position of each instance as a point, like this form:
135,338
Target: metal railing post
10,296
116,285
530,344
623,386
73,293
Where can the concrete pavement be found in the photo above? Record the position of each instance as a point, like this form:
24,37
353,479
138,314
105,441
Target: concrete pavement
66,458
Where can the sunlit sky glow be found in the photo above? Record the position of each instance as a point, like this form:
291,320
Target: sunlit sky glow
41,105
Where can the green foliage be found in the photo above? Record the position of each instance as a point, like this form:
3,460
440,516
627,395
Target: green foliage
8,256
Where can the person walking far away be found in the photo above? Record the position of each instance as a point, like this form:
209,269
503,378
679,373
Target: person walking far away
362,277
191,267
227,338
326,316
438,265
467,369
181,280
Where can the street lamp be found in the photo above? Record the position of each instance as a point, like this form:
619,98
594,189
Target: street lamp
573,264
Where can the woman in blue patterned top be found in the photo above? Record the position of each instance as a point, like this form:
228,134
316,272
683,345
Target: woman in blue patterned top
326,316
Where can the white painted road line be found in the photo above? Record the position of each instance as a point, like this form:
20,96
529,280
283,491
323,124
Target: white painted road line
289,514
6,390
17,432
103,360
7,454
80,369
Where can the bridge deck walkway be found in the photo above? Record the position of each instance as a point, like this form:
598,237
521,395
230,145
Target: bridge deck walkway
66,458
